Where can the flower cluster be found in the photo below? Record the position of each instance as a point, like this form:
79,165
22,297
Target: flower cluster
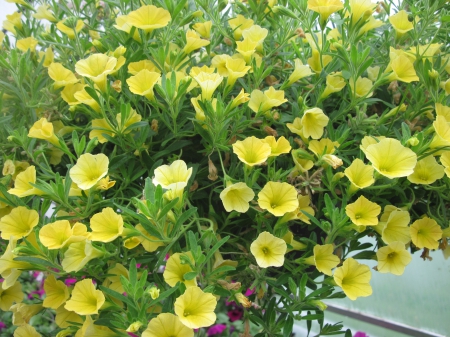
163,162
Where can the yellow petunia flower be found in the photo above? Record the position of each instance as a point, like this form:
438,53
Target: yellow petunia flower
83,97
425,233
325,7
18,223
360,8
369,25
278,198
194,42
304,203
373,72
359,174
123,24
89,169
26,44
241,98
106,226
10,296
278,146
26,330
63,317
393,258
22,184
203,28
97,67
176,268
70,32
257,34
323,259
167,325
135,67
177,172
391,159
48,56
22,313
12,22
402,70
59,234
85,300
143,82
445,160
195,309
263,101
335,83
42,129
323,146
62,76
396,227
78,255
300,71
427,171
10,269
56,293
100,127
208,83
236,68
401,23
239,24
363,212
149,18
252,151
42,13
354,279
268,250
442,132
149,246
362,87
246,48
236,197
313,123
442,110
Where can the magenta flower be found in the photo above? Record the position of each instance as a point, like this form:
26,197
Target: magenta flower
216,329
2,325
235,314
360,334
70,281
249,292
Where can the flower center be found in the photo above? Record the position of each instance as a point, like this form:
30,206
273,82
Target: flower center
391,255
186,313
265,250
358,216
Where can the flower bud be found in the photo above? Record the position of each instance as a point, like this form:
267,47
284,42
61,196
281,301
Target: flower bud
134,327
117,86
154,293
413,141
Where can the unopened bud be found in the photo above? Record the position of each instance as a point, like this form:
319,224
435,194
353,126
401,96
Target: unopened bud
410,18
413,141
433,74
117,85
71,22
212,171
281,10
134,327
197,14
154,293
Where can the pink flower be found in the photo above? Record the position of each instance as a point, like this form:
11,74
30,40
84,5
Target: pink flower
70,281
216,329
2,325
234,315
360,334
249,292
39,292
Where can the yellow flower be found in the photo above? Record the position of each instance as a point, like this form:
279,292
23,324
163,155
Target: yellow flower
68,93
427,171
48,57
317,63
362,87
203,28
56,293
106,226
89,169
26,44
268,250
105,184
261,102
9,268
323,146
403,70
194,42
42,13
195,309
149,246
442,130
59,234
289,239
85,300
359,174
324,259
373,72
177,172
445,160
12,22
277,146
393,258
313,122
332,160
22,185
208,83
78,255
425,233
115,274
335,83
363,212
238,25
256,34
442,110
360,8
143,82
136,67
26,330
325,7
22,313
300,71
278,198
176,268
18,223
241,98
97,67
42,129
299,214
369,25
236,197
167,325
353,278
83,97
10,296
149,18
246,48
63,317
70,32
252,151
62,76
391,159
124,25
236,68
401,23
99,128
396,227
